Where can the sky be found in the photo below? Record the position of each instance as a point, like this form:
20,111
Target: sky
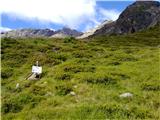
81,15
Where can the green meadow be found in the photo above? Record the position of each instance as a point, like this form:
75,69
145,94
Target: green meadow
97,70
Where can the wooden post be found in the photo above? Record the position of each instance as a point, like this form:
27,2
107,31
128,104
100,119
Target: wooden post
37,63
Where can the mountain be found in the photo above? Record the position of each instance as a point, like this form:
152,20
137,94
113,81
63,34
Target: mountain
138,16
29,33
92,31
64,32
41,33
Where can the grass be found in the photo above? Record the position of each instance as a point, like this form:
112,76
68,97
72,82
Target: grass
98,70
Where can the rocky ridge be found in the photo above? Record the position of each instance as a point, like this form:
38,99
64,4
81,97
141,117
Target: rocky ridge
65,32
136,17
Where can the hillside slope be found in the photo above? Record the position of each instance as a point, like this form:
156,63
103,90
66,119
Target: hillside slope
97,71
136,17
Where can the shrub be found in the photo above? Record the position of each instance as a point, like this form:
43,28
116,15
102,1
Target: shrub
63,76
17,103
78,68
37,90
61,56
11,106
63,89
150,87
69,40
6,73
96,78
82,54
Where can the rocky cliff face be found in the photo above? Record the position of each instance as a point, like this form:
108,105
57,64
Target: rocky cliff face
99,28
29,33
138,16
65,32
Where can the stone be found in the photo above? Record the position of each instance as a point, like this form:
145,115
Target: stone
45,82
126,95
17,85
48,94
72,93
75,86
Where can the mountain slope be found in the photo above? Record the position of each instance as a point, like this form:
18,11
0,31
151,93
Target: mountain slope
65,32
98,28
138,16
96,71
28,33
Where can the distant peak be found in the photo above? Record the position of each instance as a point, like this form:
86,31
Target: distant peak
30,32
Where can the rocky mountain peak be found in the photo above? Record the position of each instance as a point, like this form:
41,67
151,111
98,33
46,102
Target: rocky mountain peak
29,32
137,16
140,15
65,31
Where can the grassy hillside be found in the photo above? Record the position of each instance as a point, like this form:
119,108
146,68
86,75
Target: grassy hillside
97,70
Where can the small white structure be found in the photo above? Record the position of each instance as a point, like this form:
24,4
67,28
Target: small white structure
36,69
126,95
36,72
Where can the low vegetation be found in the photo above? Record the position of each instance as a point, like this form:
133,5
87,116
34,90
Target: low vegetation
96,70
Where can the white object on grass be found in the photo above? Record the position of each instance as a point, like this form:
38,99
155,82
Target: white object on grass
126,95
36,69
72,93
17,85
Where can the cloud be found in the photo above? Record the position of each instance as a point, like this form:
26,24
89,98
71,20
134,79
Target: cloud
4,29
67,12
71,13
100,16
109,14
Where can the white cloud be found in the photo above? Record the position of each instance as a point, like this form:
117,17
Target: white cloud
71,13
102,15
4,29
109,14
68,12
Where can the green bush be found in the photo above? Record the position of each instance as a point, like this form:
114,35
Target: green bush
17,103
96,78
69,40
82,54
63,89
150,87
61,56
11,106
6,73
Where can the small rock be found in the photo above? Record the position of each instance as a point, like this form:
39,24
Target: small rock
17,85
48,94
126,95
45,82
72,93
75,86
